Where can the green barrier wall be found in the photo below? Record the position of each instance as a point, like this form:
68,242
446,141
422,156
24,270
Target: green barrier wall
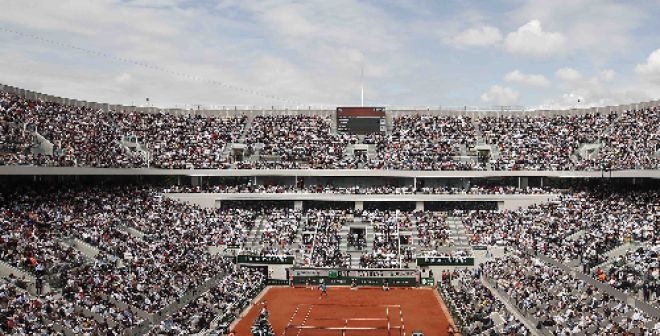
278,282
392,282
362,277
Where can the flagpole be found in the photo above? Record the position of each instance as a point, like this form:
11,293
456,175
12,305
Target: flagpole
362,85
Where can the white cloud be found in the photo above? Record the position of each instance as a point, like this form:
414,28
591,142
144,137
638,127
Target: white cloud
594,97
153,3
595,29
311,52
579,91
518,77
531,40
290,20
568,75
124,78
270,47
476,37
607,75
651,69
500,95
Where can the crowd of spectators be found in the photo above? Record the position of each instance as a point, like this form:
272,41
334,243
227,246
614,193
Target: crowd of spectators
486,190
49,314
297,141
30,244
401,236
249,188
476,306
540,142
161,265
561,303
13,137
183,141
145,272
32,228
579,230
323,249
153,250
21,314
631,142
149,212
221,303
18,121
88,137
90,286
82,136
423,142
528,226
635,272
385,250
432,229
573,226
452,257
279,228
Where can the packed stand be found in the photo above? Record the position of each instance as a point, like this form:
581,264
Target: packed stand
19,119
636,272
249,188
32,226
632,142
81,136
474,306
47,314
149,212
183,141
423,142
562,304
216,307
148,272
89,137
15,140
432,229
298,141
279,228
357,240
163,259
579,226
458,257
385,250
485,190
540,142
92,286
323,248
21,314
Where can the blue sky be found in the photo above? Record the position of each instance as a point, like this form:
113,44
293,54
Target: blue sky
538,54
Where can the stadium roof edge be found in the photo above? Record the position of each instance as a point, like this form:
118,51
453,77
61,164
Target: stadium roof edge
297,109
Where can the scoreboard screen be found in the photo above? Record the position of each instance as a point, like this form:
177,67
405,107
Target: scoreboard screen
361,120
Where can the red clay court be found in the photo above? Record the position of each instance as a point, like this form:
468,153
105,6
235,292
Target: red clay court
367,311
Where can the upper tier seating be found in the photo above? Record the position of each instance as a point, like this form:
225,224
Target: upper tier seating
86,137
